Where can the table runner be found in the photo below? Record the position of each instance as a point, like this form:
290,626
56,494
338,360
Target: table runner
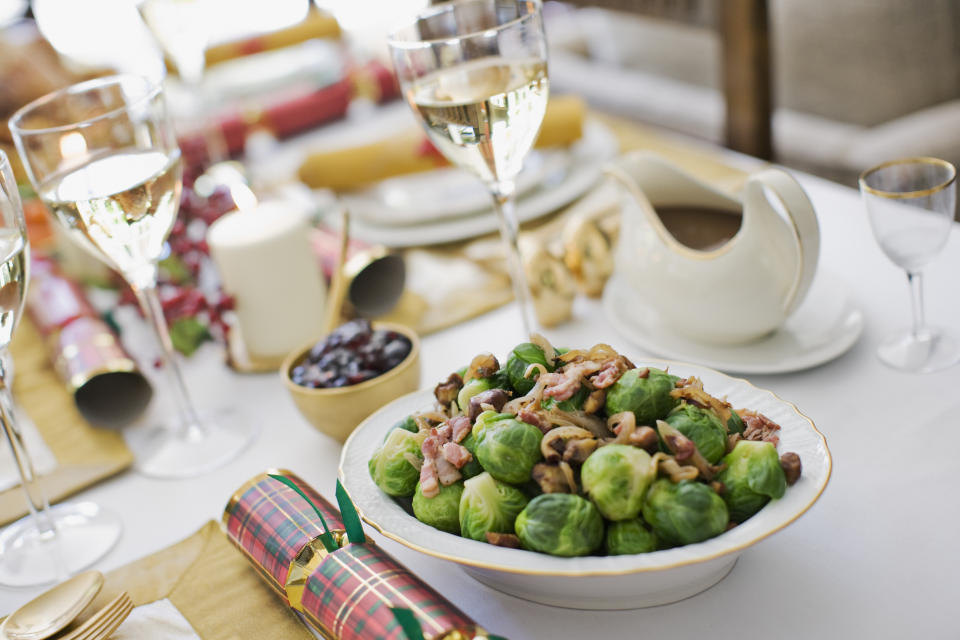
85,455
210,582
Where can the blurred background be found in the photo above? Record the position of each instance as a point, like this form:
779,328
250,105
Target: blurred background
826,87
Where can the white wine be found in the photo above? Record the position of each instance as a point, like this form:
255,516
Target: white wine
124,204
484,115
13,281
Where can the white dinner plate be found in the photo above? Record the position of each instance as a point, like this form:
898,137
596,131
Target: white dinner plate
448,192
597,582
452,213
824,327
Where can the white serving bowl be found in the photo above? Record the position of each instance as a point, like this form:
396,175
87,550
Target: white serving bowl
598,582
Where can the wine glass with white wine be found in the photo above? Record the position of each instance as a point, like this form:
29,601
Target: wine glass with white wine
103,156
475,73
50,543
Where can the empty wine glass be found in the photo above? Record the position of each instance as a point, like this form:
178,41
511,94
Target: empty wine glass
50,543
102,155
910,204
475,73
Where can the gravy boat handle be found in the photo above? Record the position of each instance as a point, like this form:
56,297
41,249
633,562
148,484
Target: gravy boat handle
801,215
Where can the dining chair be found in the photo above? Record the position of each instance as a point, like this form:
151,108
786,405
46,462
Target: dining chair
743,30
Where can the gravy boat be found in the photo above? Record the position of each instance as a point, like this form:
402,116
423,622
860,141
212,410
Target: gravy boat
740,288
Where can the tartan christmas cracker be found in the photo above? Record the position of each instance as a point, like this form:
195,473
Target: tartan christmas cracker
345,589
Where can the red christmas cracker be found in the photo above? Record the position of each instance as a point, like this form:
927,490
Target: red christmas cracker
347,594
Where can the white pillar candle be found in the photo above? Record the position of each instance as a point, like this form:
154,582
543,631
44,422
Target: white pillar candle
265,261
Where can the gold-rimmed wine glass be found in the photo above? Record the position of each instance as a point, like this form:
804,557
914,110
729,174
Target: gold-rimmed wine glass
475,73
51,542
102,155
911,204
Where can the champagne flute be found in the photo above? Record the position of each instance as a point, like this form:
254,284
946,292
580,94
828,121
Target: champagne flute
475,73
911,204
102,155
51,542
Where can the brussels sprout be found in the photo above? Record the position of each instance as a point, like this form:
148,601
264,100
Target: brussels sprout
685,512
752,476
574,403
735,423
522,356
473,467
508,449
391,467
489,505
561,524
486,420
629,536
616,478
649,398
703,427
441,511
407,424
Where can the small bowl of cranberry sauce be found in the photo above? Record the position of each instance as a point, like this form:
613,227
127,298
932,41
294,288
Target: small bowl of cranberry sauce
356,369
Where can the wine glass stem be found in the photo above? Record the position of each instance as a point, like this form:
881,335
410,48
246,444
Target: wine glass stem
189,422
504,205
36,500
200,122
915,281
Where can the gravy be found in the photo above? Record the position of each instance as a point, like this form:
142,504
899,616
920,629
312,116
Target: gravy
700,228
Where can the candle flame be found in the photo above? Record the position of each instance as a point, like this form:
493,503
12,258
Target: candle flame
73,144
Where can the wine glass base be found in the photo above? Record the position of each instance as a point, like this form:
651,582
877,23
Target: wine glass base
933,350
165,451
85,533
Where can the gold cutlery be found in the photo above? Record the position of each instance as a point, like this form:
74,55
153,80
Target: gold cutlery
104,622
54,609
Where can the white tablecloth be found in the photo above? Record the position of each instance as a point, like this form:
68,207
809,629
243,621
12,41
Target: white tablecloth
875,557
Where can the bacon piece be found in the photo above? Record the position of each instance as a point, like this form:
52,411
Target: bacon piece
447,473
530,416
444,432
759,427
456,454
460,427
428,479
563,383
430,447
609,373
